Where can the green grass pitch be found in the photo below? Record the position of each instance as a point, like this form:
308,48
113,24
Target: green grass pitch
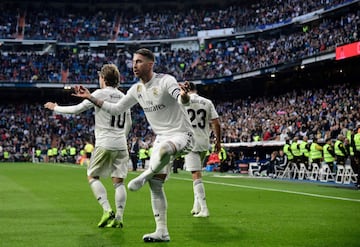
52,205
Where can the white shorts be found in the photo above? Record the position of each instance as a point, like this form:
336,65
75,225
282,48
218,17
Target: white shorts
105,163
194,161
183,143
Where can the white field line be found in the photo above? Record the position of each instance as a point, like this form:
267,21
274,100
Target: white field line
250,187
275,190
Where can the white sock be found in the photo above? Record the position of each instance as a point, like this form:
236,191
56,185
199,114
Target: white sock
159,204
199,191
120,200
100,194
196,205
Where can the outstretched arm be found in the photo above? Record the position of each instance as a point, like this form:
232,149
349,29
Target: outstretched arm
83,92
72,109
50,105
122,105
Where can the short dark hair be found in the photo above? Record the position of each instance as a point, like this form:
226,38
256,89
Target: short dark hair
192,86
146,53
111,75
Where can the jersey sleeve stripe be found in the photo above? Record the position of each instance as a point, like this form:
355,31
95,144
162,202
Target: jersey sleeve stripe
175,93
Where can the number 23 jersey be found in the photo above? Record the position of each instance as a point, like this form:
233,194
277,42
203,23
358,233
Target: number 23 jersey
201,111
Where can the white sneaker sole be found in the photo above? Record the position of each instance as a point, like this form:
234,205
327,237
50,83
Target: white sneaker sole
153,237
202,215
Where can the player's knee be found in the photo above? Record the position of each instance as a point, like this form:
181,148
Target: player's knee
165,151
196,175
116,185
167,148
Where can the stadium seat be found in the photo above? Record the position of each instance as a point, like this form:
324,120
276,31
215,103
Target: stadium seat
279,171
339,178
303,173
314,172
253,167
325,174
294,171
349,175
289,172
284,173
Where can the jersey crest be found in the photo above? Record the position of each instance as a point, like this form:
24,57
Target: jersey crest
155,91
138,90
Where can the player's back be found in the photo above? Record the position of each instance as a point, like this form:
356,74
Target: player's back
201,111
110,130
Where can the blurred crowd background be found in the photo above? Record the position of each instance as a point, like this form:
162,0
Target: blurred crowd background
58,44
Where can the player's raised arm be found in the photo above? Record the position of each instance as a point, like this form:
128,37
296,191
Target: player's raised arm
184,90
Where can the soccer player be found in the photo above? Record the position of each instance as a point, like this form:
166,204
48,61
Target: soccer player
110,156
162,100
202,115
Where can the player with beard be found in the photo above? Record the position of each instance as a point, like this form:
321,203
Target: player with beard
163,101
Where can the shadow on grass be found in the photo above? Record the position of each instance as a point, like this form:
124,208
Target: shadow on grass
105,237
203,230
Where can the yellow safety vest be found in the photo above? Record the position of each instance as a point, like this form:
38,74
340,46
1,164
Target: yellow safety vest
303,149
142,153
222,154
338,152
294,149
348,136
256,138
6,155
72,151
327,156
286,150
314,153
357,141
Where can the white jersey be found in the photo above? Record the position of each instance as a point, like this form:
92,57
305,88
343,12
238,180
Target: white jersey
110,130
201,111
160,100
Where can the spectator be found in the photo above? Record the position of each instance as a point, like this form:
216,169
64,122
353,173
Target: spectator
270,165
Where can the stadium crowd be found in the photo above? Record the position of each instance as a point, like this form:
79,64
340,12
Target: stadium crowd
316,113
66,24
71,63
319,114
